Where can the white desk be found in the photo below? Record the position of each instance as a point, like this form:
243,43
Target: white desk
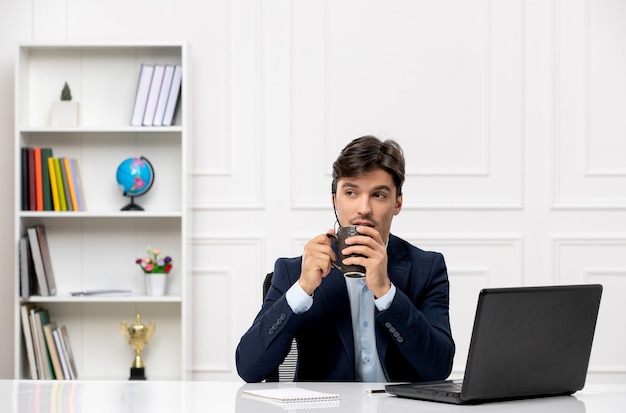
26,396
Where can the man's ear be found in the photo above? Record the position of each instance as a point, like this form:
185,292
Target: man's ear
398,205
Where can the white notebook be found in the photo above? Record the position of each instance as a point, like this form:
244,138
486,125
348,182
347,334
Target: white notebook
294,397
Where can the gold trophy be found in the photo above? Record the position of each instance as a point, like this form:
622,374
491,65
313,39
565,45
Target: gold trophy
138,336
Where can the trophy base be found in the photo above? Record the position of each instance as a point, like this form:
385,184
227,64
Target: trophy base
137,373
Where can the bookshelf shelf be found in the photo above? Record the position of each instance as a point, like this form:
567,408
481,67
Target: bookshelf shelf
96,248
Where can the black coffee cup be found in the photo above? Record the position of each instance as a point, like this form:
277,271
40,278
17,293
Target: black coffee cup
351,270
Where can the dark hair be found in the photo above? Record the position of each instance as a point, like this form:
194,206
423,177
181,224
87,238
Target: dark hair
368,153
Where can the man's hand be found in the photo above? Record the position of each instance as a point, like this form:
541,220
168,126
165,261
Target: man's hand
317,260
372,247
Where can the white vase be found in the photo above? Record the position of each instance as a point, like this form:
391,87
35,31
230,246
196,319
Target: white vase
65,114
156,284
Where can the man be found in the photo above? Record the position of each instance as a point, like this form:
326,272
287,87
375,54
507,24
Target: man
392,325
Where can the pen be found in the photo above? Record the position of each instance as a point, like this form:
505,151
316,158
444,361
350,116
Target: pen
375,391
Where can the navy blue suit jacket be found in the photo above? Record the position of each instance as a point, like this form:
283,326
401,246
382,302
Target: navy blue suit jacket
413,335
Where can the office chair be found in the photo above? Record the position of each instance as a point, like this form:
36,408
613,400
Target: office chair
287,369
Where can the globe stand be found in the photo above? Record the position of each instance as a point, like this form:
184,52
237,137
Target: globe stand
132,206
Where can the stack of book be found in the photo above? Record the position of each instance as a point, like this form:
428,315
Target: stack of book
157,96
36,273
47,345
50,184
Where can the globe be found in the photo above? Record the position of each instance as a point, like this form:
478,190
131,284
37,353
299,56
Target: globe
135,176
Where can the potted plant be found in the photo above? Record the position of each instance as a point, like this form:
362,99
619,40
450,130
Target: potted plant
155,268
65,113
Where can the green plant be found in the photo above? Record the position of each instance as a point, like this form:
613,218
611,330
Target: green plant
154,263
66,94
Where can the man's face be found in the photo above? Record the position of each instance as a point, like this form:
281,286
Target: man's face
369,200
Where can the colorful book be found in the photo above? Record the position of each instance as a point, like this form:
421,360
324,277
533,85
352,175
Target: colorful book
52,350
32,192
56,203
42,319
70,183
66,185
46,153
38,180
61,190
78,185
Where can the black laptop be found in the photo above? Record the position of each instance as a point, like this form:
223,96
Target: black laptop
526,342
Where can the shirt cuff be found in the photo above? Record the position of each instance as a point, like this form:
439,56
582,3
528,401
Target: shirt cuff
298,299
384,302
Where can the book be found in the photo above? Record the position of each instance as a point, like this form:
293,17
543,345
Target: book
58,342
294,397
67,349
60,187
46,153
153,94
66,185
24,178
25,268
52,350
28,338
32,316
32,192
38,180
56,203
42,318
173,97
168,75
102,293
141,95
46,259
78,184
70,183
35,250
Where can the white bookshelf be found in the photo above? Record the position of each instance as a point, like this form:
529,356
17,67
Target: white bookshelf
97,248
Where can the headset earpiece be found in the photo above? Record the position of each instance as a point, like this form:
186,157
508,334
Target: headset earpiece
333,187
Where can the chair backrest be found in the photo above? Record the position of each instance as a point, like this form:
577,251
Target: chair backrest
287,369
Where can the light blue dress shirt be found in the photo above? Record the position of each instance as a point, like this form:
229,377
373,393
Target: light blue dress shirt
368,366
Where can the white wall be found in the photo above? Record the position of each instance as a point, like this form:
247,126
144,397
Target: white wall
511,114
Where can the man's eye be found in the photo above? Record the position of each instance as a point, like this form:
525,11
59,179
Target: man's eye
380,195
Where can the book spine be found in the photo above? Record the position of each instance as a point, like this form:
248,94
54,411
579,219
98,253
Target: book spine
56,203
168,75
37,261
28,339
66,185
78,185
52,350
46,153
141,95
32,193
61,190
70,183
153,95
46,259
173,97
38,180
24,176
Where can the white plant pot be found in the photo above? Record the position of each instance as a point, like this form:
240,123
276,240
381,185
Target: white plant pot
156,284
65,114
